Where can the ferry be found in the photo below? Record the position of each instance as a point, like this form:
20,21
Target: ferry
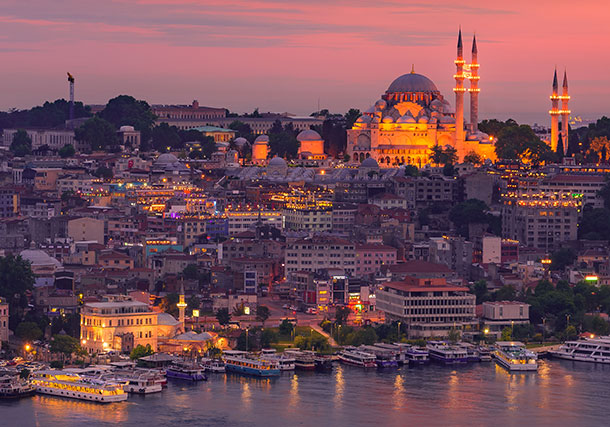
513,356
354,357
216,366
65,384
323,363
239,362
484,354
303,360
446,354
385,359
472,352
418,356
15,387
135,382
399,352
185,371
594,350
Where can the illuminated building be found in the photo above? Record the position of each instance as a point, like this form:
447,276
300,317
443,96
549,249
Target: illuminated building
541,220
181,307
260,150
556,111
429,307
117,323
219,134
321,253
311,145
3,320
413,116
244,220
308,215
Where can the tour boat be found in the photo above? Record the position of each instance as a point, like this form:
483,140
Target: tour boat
15,387
323,363
595,350
135,382
241,363
354,357
384,358
399,352
70,385
484,354
446,354
185,371
418,356
472,352
513,356
303,360
213,365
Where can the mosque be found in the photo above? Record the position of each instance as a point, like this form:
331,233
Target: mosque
412,116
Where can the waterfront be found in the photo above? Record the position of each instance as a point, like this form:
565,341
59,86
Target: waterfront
561,393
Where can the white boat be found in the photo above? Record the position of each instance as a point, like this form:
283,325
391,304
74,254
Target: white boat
135,382
213,365
384,358
15,387
400,353
594,350
354,357
73,386
302,360
447,354
285,361
243,363
513,356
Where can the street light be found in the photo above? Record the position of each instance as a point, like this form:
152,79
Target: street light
247,329
399,331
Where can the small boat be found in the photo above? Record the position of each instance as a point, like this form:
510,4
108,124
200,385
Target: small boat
185,371
354,357
15,387
418,356
213,365
446,354
285,361
243,363
593,350
513,356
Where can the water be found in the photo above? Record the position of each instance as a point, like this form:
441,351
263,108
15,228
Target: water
561,393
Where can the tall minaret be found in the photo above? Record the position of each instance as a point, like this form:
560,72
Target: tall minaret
181,306
459,96
474,88
554,112
565,113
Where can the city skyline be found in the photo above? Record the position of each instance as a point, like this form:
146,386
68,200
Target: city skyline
286,57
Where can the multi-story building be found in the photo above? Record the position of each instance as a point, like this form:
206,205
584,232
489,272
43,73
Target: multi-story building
498,315
9,202
3,320
435,189
86,230
343,217
429,307
246,220
313,216
40,207
321,253
541,220
587,185
53,138
455,252
118,323
388,201
371,256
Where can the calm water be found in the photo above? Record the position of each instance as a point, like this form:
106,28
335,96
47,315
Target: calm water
561,393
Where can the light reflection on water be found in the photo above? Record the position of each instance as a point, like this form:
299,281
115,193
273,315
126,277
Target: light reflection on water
561,393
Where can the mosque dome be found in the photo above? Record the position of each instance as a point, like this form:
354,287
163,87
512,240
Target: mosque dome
240,142
364,119
422,119
412,82
39,258
126,128
369,163
388,119
277,162
261,139
166,159
308,135
381,104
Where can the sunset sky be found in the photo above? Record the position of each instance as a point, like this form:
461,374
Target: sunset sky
285,55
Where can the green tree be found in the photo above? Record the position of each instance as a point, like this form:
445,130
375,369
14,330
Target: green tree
166,138
140,351
472,211
262,313
66,151
21,144
454,335
507,334
104,173
286,327
562,258
341,315
505,293
169,304
350,117
473,158
493,127
64,344
192,303
570,333
190,272
98,133
223,316
283,141
595,224
411,170
126,110
28,331
437,154
479,288
519,142
16,279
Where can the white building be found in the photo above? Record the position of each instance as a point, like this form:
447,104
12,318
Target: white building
321,253
498,315
245,220
54,139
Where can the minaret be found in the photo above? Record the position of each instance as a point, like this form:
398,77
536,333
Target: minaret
474,88
554,112
459,96
181,306
565,113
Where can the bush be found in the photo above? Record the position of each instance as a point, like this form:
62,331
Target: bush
56,364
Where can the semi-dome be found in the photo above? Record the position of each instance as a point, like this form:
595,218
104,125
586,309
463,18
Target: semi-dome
412,82
308,135
381,104
261,139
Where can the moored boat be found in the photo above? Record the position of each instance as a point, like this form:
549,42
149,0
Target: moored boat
73,386
323,363
216,366
513,356
446,354
385,359
354,357
303,360
593,350
185,371
15,387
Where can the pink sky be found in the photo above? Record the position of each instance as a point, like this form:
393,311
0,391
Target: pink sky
285,55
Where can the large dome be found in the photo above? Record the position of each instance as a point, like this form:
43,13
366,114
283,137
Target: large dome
412,82
309,135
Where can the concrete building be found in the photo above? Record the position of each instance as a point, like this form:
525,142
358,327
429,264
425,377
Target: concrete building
9,202
312,215
498,315
86,229
54,139
370,257
247,220
117,323
321,253
429,307
129,137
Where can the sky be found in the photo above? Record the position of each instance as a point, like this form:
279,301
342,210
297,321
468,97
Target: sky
291,55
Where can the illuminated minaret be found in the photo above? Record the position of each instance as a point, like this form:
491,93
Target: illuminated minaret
565,113
181,306
554,112
474,88
459,96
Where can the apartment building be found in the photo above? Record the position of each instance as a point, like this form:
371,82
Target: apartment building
319,253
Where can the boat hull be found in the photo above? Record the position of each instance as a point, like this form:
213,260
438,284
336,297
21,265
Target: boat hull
577,358
357,364
17,394
80,395
246,370
184,376
449,360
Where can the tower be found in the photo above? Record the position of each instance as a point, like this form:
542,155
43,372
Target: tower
565,113
181,306
71,81
554,112
474,88
459,96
